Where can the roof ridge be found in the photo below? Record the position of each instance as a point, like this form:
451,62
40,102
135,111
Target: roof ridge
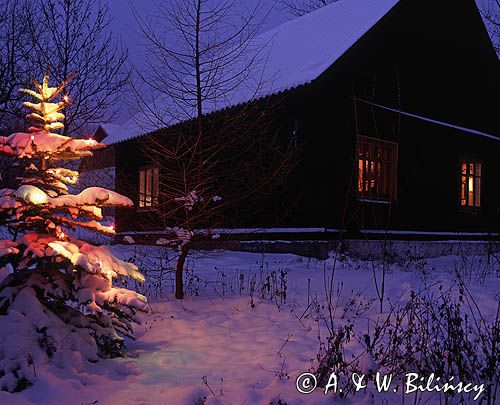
301,50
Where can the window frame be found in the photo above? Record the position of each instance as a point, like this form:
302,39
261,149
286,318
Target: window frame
154,188
468,160
391,174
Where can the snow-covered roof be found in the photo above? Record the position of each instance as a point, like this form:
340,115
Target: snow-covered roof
300,51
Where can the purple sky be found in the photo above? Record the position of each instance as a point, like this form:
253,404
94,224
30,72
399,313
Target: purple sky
125,25
124,22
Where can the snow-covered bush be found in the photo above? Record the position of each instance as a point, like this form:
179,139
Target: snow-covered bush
435,332
442,334
60,298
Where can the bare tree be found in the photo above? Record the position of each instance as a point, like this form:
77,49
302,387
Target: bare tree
76,36
211,167
301,7
197,54
15,47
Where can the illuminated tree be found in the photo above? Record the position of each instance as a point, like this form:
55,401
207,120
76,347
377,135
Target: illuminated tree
57,293
76,35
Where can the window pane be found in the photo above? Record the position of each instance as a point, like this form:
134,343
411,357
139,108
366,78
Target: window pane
477,192
372,176
360,176
470,186
367,175
141,182
463,190
156,187
141,188
376,168
148,181
380,189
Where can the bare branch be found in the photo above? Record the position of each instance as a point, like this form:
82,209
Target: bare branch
300,7
490,11
15,47
217,162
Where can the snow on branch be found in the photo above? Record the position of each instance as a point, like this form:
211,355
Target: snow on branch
92,225
92,259
47,146
92,196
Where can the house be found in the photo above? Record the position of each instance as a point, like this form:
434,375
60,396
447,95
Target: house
396,106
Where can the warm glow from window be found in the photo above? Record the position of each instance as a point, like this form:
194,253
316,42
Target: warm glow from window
376,169
470,189
148,187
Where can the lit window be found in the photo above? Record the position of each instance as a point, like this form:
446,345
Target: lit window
377,165
470,190
148,187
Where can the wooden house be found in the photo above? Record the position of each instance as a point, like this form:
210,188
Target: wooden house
395,106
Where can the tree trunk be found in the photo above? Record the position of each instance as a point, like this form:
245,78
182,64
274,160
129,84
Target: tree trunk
179,282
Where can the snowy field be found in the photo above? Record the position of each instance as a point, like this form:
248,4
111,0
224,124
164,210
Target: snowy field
251,323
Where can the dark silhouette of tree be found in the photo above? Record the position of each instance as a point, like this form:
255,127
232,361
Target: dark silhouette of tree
15,50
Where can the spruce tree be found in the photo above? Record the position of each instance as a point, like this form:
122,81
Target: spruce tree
60,297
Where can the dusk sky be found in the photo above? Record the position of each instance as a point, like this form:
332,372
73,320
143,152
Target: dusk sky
125,25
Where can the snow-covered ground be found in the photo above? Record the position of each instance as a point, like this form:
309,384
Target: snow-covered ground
250,324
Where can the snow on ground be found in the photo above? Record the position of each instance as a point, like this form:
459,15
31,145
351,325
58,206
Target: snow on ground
233,340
